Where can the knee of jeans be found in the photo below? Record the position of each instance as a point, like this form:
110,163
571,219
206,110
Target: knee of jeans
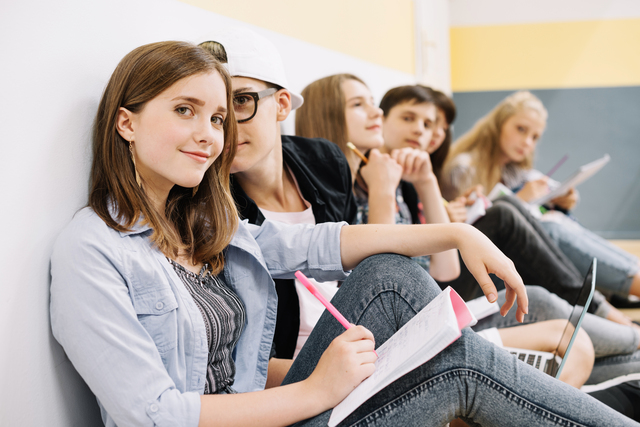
388,264
393,269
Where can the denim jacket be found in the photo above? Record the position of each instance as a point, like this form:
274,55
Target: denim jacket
132,330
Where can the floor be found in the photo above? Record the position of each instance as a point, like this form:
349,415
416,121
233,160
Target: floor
632,246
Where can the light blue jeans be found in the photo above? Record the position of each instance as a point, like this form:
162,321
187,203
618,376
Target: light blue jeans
616,267
471,379
615,345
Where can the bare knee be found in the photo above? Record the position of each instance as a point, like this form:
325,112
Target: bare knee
579,361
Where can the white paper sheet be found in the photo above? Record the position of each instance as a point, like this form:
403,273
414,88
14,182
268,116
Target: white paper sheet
430,331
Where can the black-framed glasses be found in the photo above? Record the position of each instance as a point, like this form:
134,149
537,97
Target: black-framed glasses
245,104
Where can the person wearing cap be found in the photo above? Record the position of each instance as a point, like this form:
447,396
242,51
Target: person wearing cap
280,177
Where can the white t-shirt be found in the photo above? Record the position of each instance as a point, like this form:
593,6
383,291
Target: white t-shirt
310,308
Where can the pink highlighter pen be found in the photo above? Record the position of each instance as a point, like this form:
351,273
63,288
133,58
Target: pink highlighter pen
307,284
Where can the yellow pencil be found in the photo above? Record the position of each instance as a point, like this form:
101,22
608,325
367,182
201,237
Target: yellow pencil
358,153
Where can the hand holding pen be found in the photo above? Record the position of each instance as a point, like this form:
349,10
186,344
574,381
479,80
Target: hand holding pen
357,152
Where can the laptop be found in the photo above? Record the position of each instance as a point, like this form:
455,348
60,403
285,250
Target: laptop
550,362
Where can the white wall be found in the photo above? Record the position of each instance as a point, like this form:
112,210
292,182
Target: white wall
466,13
433,62
56,58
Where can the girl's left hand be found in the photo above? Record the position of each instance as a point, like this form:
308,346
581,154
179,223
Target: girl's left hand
482,258
568,201
416,165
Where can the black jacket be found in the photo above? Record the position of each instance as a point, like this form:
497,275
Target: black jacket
324,178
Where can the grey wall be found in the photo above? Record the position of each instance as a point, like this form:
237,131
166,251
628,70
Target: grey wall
585,124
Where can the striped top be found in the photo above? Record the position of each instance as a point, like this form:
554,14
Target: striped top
224,317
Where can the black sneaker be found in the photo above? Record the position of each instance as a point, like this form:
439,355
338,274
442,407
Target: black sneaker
621,394
621,302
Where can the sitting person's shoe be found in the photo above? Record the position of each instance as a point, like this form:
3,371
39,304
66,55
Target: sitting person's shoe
621,302
621,394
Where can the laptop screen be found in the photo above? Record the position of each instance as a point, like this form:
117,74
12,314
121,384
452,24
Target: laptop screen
579,309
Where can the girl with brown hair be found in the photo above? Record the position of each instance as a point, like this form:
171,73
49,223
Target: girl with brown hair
327,118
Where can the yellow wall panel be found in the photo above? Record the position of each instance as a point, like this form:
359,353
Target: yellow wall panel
550,55
378,31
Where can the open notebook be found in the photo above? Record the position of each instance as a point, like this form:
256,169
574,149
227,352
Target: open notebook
583,173
431,330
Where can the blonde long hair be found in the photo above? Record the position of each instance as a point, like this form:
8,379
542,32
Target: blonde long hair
482,142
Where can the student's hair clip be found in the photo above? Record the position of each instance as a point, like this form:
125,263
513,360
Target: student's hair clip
216,49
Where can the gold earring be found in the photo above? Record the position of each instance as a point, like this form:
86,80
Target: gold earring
195,190
133,159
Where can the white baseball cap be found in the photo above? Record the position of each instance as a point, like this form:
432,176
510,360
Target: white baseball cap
252,55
